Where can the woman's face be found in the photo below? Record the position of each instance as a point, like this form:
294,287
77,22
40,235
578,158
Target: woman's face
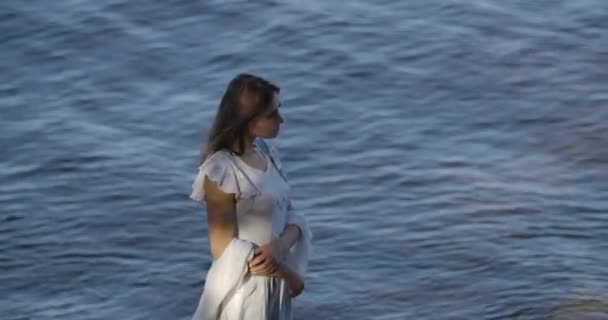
267,124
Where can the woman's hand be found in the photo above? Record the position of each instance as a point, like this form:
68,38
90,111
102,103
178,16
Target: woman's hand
266,259
295,289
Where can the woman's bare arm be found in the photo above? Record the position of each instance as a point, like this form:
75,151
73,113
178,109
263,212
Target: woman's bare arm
291,234
221,217
288,238
294,281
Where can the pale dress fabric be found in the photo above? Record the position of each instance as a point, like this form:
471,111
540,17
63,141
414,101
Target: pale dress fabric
262,212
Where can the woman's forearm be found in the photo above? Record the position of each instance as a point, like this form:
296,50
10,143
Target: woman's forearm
294,281
289,237
290,234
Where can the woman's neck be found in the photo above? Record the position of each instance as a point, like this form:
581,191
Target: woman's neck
248,145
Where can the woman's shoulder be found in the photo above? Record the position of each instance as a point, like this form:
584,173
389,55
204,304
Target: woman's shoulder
218,157
219,163
220,168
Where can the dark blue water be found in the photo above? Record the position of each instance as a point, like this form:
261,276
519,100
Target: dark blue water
451,156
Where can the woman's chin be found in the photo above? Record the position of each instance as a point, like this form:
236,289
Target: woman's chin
269,136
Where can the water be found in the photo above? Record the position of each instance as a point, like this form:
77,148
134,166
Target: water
451,156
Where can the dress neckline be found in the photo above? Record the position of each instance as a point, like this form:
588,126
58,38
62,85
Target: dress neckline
268,164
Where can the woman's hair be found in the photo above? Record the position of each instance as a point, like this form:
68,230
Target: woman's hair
246,97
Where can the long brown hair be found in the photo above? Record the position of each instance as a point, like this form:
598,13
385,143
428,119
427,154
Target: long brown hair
246,97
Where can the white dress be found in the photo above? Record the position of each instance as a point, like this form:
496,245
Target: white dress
262,212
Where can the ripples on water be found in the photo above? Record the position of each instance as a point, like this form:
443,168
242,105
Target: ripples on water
450,156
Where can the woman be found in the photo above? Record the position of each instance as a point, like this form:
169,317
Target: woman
259,244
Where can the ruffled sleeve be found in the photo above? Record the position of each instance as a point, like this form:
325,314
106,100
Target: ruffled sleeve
221,170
